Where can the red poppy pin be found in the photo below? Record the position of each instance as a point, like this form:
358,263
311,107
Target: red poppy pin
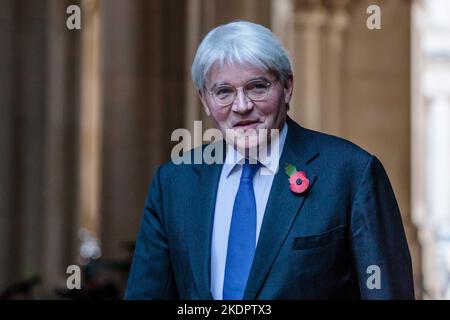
299,183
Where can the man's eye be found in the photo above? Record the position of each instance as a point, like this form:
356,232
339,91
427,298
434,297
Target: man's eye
256,86
223,91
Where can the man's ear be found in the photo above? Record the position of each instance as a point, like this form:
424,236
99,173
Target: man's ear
202,97
289,88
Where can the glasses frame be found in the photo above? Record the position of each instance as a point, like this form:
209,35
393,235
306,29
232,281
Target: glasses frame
270,85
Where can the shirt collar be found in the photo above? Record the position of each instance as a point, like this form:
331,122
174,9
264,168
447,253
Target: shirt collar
234,159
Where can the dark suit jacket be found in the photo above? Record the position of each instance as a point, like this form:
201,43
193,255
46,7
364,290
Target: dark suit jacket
316,245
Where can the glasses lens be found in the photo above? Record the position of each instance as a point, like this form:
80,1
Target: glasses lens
224,95
257,90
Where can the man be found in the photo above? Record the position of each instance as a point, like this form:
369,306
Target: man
322,221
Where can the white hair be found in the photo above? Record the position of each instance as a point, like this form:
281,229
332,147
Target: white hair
240,42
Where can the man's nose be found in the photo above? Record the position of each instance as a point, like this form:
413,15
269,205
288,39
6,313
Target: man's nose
242,104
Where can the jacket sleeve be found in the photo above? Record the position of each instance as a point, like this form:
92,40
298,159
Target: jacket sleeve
151,275
380,250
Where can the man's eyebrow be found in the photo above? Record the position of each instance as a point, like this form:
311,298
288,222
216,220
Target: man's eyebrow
224,83
218,84
264,78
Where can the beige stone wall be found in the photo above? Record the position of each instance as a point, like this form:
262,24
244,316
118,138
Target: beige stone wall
142,91
355,83
377,100
39,103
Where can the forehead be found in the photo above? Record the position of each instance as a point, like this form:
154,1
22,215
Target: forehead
235,74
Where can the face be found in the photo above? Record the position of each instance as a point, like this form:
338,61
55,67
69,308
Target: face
241,120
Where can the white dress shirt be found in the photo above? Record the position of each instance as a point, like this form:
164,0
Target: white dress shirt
228,186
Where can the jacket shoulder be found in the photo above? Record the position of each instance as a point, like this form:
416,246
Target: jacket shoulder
183,164
337,147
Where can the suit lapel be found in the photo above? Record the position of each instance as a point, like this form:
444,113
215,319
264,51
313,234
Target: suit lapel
199,225
282,207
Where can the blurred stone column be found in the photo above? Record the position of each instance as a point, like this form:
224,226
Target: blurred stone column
130,119
8,247
60,214
435,231
192,105
38,131
310,17
377,99
22,100
143,57
332,72
419,213
90,145
282,24
29,134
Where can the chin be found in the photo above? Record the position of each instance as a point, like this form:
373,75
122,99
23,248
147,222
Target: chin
248,140
252,145
246,144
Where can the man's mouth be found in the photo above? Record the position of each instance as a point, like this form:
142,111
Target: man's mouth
246,124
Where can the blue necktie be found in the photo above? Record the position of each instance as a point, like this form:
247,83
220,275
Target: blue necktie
242,237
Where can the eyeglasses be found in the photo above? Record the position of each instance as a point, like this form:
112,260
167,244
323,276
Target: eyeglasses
255,90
